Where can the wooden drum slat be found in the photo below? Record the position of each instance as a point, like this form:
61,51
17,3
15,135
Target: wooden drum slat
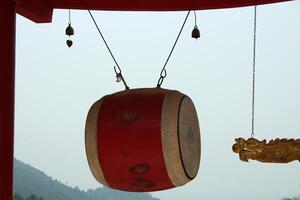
91,133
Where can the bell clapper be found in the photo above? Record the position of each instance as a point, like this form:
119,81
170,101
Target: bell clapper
195,32
69,31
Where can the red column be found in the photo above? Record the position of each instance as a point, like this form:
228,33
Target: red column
7,90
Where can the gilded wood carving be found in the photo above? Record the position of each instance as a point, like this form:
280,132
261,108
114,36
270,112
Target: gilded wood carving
275,151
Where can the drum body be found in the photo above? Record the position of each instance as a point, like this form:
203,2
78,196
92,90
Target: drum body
143,140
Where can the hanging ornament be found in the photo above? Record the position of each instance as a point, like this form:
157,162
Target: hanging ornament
195,32
69,43
69,31
275,151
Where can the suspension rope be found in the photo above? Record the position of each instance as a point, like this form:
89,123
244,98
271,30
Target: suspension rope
253,70
118,74
163,72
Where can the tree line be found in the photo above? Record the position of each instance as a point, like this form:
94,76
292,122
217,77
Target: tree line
31,197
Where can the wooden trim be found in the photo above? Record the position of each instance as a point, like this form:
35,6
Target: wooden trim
170,143
91,132
189,137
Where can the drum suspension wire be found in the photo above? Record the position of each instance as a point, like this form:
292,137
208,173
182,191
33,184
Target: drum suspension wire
253,71
118,72
163,72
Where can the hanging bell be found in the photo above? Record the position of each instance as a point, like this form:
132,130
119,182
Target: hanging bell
195,33
69,30
69,43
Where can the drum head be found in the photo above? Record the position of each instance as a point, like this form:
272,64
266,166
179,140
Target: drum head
189,137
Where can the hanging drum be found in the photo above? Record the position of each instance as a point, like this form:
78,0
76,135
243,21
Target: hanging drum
143,140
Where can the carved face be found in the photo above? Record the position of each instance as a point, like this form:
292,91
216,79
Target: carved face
237,148
250,144
239,145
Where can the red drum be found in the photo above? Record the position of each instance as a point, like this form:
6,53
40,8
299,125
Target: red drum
143,140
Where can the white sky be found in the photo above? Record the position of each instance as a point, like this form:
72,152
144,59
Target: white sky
55,87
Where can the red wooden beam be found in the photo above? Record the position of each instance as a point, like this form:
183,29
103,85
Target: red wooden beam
157,5
41,10
7,90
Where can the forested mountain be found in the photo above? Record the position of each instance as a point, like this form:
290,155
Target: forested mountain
28,181
294,198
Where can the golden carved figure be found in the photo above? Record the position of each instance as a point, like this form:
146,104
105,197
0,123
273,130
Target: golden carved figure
275,151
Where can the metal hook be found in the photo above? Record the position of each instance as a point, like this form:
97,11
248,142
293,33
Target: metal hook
120,77
163,75
118,69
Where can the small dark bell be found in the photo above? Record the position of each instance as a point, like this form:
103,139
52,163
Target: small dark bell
195,33
69,30
69,43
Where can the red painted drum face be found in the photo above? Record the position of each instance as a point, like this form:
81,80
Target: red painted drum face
143,140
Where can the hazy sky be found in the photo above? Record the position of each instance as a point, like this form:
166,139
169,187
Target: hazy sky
55,87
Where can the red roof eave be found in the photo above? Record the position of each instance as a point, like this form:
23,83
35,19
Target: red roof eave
40,11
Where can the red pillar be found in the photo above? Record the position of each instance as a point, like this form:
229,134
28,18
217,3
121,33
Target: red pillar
7,90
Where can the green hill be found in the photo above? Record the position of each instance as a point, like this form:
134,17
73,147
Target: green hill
28,180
